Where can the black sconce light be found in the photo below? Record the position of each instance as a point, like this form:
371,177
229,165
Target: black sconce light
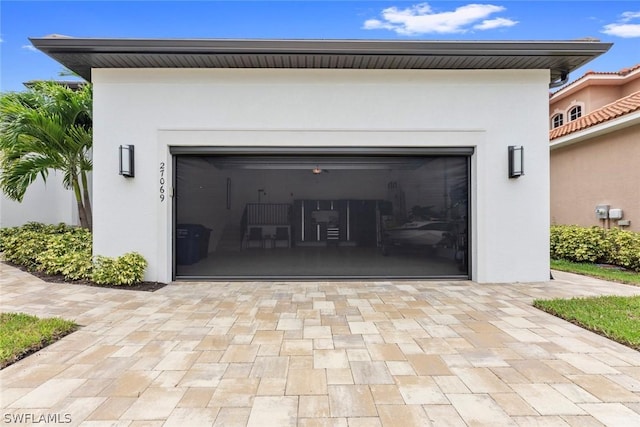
127,161
516,161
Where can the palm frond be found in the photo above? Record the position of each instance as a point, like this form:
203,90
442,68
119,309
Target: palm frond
45,128
19,174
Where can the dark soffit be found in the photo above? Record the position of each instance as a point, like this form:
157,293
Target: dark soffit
82,54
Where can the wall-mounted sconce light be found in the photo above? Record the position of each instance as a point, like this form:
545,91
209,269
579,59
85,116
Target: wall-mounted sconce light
516,161
316,170
127,161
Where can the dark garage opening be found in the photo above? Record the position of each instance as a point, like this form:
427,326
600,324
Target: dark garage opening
275,216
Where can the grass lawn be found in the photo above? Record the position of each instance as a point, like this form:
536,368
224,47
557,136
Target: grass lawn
593,270
22,334
615,317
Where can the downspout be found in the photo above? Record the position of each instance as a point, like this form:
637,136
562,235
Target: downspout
564,78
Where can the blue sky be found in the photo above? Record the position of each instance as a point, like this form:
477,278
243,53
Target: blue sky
609,21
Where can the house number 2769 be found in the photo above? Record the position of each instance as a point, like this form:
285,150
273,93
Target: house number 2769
162,182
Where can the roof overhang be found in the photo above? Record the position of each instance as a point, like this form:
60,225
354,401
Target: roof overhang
81,55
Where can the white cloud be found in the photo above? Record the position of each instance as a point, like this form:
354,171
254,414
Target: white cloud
624,28
376,24
422,19
29,47
490,24
628,16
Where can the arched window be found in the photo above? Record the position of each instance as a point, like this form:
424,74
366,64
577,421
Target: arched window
557,120
575,112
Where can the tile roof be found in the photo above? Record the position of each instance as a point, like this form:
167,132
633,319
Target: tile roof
622,73
616,109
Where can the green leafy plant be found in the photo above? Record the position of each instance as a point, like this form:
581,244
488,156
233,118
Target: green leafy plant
67,251
68,254
626,248
22,245
596,245
123,270
579,243
52,249
23,248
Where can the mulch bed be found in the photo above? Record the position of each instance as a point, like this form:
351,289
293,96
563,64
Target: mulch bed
58,278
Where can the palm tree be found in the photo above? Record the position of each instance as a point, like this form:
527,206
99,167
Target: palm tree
45,128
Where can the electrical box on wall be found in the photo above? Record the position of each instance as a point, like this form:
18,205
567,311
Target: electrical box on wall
602,211
615,213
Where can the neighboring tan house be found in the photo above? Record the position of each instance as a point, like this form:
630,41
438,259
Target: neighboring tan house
322,159
595,150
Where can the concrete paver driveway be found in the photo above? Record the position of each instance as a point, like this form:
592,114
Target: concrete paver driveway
412,353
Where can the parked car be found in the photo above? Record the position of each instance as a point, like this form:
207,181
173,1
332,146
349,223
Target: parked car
418,235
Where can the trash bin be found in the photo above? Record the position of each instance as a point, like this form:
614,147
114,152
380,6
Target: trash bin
204,242
190,243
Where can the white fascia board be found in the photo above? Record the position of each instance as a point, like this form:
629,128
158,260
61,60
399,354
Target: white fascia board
597,130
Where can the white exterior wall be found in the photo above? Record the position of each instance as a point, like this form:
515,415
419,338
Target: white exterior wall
487,109
49,203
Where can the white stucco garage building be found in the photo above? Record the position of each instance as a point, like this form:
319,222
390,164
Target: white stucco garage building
323,159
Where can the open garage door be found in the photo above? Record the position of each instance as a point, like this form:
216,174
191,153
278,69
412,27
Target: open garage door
321,215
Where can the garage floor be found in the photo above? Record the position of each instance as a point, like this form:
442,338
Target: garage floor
322,261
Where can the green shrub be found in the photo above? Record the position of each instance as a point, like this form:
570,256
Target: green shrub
40,247
66,250
68,254
626,248
5,234
123,270
72,265
579,244
595,244
23,247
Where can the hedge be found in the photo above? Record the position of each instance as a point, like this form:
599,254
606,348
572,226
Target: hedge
65,250
596,245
